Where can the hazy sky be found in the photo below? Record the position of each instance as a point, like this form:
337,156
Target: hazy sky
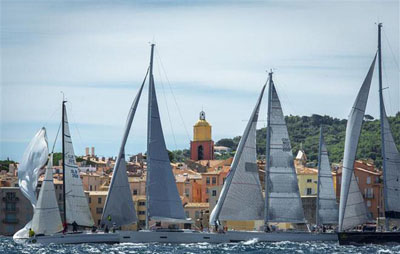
210,54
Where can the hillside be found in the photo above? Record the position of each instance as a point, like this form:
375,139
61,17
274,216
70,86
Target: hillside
304,130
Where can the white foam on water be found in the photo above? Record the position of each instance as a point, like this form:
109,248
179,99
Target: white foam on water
251,241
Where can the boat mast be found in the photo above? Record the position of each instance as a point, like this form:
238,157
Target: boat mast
381,107
63,159
267,152
319,174
148,138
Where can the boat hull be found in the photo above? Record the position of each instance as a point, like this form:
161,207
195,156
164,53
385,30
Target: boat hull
230,236
359,238
182,236
76,238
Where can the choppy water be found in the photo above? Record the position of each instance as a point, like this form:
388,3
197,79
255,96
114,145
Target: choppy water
8,246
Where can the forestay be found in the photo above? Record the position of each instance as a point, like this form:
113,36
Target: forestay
241,196
164,203
119,207
46,215
77,208
327,212
352,209
283,203
392,172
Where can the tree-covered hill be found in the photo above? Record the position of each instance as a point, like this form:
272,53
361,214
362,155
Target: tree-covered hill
304,131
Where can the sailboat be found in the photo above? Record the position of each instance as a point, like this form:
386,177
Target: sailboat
353,211
241,196
46,222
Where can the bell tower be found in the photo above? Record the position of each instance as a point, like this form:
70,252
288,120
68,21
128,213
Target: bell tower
202,146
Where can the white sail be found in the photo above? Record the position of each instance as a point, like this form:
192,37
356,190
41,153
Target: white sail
46,215
77,207
241,196
119,207
163,201
327,207
352,209
391,172
35,157
283,202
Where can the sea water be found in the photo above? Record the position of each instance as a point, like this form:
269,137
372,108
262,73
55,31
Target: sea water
8,246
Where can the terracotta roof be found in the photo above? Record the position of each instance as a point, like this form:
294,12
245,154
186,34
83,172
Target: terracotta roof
306,171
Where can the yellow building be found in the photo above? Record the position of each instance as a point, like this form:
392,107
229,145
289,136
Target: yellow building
96,201
202,146
202,129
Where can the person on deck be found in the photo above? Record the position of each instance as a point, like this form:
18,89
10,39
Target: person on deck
31,232
74,226
65,228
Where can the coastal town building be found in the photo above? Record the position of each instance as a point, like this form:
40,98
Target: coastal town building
202,146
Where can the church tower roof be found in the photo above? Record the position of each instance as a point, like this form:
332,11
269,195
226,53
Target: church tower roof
202,129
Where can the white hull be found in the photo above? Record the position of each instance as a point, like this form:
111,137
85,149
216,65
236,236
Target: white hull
183,236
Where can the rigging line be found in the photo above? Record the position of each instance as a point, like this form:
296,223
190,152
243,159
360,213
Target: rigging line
166,104
55,140
76,128
173,95
391,51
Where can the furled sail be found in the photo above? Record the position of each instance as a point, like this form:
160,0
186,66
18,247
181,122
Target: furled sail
391,172
327,207
119,207
163,201
46,216
241,196
35,157
352,209
77,208
283,202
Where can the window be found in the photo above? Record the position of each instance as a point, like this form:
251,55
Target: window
309,180
196,214
368,180
206,200
187,214
369,193
214,180
90,187
99,210
208,180
223,180
135,192
187,192
11,207
142,212
142,203
99,200
207,190
214,193
90,200
11,218
369,203
309,191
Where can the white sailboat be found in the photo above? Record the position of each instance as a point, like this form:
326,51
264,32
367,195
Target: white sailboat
46,222
353,211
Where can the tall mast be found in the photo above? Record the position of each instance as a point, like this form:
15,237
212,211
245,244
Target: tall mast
63,159
382,116
319,174
267,151
148,132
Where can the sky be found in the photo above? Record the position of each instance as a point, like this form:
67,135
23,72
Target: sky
210,55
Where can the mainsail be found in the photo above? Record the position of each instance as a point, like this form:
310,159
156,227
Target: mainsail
163,201
35,157
241,196
283,202
327,208
46,217
76,204
119,207
352,209
391,171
